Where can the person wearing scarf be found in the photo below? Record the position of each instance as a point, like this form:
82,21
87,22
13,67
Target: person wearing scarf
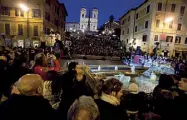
109,101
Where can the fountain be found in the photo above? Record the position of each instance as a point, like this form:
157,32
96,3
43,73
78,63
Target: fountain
153,76
99,68
133,69
116,68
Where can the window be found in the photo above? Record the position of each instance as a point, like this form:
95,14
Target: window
146,24
19,12
159,6
182,11
57,10
144,38
36,13
7,29
129,18
169,39
148,9
123,32
123,22
137,15
94,16
173,6
48,2
178,39
128,31
47,16
157,23
185,41
5,11
20,29
56,22
127,41
179,27
82,15
156,38
171,25
35,32
136,28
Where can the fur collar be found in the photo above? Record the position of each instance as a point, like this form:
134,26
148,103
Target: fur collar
110,99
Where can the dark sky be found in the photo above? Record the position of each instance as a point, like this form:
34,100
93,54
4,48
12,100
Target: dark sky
105,7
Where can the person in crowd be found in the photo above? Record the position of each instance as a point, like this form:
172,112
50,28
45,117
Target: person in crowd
84,108
53,63
164,99
41,65
73,86
183,85
29,103
133,98
109,101
49,88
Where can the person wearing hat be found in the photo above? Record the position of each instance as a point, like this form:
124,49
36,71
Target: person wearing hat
133,100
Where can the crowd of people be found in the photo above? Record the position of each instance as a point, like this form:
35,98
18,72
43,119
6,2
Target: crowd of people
35,88
94,45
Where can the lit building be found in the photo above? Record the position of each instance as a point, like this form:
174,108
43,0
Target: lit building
109,27
26,23
72,26
162,21
89,21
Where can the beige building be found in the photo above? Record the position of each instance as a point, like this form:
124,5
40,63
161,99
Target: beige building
162,21
26,23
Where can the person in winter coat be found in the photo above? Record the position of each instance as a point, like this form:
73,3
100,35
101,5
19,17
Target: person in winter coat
49,89
109,101
41,65
84,108
29,103
164,104
73,86
133,98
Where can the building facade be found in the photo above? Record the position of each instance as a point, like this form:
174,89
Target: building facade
89,21
27,23
157,21
109,27
72,26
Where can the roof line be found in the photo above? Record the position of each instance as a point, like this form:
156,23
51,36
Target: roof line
134,9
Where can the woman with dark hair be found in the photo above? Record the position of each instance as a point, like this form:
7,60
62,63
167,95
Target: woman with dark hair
163,98
109,101
49,90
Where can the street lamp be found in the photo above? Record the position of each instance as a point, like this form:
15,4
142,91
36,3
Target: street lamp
169,19
26,9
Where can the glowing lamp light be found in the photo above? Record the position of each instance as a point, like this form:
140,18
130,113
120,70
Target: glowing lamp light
170,19
24,7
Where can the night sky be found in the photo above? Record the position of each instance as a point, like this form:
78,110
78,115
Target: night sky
106,8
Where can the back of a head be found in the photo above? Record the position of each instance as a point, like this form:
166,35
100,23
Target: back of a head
30,85
166,81
111,85
39,59
83,108
72,66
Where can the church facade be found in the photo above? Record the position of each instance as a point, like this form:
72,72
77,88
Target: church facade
88,21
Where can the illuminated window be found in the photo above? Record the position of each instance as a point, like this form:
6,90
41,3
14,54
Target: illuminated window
159,6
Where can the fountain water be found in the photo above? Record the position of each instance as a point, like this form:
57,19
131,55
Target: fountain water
99,68
116,68
133,69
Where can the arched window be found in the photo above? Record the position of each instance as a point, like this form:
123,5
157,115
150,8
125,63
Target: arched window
94,16
82,15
